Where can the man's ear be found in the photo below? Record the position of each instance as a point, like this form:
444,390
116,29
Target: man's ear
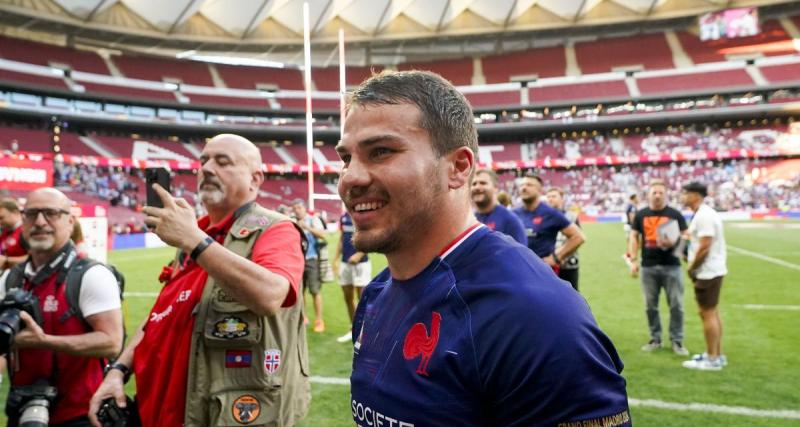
461,163
257,179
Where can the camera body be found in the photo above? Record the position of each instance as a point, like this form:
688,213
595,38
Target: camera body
30,405
15,301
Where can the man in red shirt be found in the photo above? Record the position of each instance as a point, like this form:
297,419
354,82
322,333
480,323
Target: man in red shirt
12,246
226,335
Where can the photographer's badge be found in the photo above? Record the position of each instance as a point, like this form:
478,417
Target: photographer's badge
246,409
231,327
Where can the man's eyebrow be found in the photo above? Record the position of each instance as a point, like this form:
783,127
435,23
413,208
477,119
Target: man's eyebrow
367,142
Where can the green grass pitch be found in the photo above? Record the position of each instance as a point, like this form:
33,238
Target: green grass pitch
762,345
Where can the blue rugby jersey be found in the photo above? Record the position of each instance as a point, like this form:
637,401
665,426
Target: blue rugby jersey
502,220
348,228
486,335
542,226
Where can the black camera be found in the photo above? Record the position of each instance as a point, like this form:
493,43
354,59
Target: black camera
111,415
29,406
16,300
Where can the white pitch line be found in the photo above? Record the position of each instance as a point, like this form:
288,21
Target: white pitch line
777,261
719,409
768,307
660,404
330,380
140,294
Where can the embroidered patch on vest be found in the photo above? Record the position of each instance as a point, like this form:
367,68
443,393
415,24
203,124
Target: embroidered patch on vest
272,360
246,409
231,327
238,358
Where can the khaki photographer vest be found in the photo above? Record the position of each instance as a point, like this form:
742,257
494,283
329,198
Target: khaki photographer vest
246,369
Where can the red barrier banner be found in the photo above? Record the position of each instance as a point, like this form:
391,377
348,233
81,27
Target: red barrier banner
25,174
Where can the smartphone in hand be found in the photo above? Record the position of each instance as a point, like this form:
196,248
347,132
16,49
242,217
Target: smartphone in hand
158,176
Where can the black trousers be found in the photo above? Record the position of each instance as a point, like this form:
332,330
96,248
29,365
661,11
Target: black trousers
570,275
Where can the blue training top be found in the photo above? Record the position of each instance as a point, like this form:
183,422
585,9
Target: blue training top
502,220
542,226
486,335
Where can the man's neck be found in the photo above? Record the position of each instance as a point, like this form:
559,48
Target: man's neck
530,206
696,206
408,262
215,215
658,208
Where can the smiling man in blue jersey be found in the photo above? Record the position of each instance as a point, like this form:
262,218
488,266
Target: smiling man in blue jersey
489,211
543,223
465,327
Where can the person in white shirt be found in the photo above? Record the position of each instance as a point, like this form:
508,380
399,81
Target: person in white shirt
707,267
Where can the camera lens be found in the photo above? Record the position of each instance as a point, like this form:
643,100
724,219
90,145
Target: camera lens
35,414
9,326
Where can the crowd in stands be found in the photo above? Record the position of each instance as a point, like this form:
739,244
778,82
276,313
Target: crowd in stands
733,185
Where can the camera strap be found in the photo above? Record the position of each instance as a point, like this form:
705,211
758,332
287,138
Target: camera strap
61,262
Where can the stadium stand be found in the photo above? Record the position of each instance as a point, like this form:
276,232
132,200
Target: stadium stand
160,69
650,51
604,90
244,77
458,71
723,79
540,62
47,54
327,78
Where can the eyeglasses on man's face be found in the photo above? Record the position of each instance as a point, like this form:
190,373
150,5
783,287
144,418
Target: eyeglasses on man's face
50,214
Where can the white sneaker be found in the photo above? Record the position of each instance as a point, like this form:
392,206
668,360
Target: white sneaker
348,337
679,349
652,345
722,359
704,364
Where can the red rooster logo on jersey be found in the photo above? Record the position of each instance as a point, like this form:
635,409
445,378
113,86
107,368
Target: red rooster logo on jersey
418,343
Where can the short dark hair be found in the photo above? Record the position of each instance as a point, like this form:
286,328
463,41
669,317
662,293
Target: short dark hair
557,190
9,204
491,173
633,196
532,175
696,187
444,112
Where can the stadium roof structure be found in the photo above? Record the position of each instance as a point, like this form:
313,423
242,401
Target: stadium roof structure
273,29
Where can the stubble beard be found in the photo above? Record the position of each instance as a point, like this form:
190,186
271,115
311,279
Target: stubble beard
414,218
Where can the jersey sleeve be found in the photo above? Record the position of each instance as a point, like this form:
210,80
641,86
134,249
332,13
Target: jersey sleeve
278,250
554,368
637,221
99,291
561,220
704,226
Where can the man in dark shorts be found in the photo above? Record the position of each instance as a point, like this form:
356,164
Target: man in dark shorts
707,267
660,227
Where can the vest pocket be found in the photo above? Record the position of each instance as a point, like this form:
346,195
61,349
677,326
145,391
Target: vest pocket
245,407
232,330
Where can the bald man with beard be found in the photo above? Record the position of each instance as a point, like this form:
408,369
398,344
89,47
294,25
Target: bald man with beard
224,343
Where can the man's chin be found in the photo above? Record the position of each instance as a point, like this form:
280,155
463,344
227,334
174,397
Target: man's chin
376,242
41,245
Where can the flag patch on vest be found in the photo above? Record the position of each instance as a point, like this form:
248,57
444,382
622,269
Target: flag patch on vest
231,327
246,409
238,358
272,360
